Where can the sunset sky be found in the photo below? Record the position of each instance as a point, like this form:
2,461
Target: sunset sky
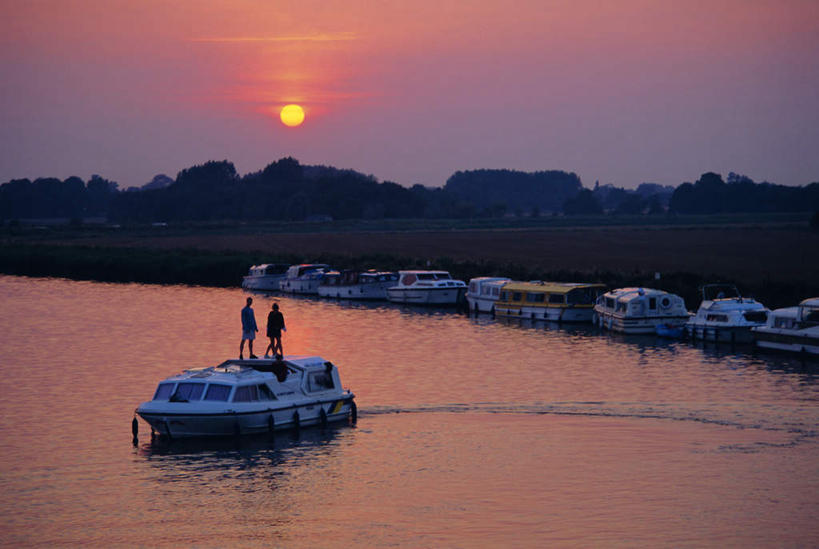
620,91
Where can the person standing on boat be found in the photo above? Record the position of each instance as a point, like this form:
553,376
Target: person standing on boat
275,326
249,329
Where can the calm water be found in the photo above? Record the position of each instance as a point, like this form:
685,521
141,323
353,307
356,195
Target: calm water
472,432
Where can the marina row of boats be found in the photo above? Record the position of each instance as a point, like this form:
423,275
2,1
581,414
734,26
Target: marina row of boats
723,315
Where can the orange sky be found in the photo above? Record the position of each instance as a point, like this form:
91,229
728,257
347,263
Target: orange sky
621,92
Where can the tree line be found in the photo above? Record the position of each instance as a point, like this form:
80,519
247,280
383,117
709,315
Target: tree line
288,190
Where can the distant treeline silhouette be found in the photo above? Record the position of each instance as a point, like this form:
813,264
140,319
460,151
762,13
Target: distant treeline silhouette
288,190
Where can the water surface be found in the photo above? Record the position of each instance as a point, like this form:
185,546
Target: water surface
472,431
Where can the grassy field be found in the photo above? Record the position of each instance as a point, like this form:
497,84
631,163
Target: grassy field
776,260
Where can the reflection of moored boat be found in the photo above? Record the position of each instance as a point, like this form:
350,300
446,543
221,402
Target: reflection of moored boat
426,288
726,316
669,330
483,292
304,278
793,329
266,277
639,310
248,396
357,285
554,301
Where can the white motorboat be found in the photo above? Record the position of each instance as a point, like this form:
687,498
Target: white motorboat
304,278
483,293
370,284
639,310
426,288
265,277
249,396
725,316
793,329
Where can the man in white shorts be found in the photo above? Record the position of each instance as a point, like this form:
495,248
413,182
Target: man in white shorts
249,329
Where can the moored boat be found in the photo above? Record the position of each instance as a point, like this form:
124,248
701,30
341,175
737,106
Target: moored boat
248,396
483,292
792,329
552,301
725,316
426,288
265,277
304,278
370,284
639,310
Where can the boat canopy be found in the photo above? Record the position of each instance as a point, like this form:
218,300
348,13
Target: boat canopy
550,287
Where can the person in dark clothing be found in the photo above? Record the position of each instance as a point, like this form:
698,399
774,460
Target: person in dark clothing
249,329
275,327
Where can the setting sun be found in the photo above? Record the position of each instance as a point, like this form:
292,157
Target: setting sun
292,115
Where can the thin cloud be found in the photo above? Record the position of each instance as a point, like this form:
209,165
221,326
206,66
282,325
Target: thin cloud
323,37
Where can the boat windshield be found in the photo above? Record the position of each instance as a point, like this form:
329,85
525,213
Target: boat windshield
810,314
186,392
217,391
163,392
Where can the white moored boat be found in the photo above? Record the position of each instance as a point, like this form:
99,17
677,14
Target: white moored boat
483,293
248,396
426,288
304,278
357,285
725,316
793,329
265,277
639,310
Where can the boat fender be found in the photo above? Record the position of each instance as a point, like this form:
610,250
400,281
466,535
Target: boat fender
271,423
296,420
323,416
135,430
168,430
353,411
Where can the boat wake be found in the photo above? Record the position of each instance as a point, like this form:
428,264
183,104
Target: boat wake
799,424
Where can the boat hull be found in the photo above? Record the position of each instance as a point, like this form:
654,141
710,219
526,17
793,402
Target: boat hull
306,287
184,425
262,283
426,296
636,325
720,334
792,341
481,305
551,314
356,291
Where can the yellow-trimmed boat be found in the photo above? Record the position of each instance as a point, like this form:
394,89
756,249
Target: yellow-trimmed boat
553,301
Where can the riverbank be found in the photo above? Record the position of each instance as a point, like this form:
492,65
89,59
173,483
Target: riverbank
776,264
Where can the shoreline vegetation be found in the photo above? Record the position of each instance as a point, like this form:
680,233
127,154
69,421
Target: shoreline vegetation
772,258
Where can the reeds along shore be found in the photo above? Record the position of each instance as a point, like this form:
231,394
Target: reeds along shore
226,269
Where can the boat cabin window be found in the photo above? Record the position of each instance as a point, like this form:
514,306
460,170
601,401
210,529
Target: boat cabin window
253,393
504,296
652,302
556,298
248,393
610,302
185,392
495,291
756,316
810,315
217,391
784,322
473,287
163,392
442,276
320,381
408,279
716,318
517,296
621,307
581,296
426,276
535,298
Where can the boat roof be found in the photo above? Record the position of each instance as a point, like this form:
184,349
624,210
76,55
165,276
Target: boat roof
233,370
551,287
810,302
633,293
